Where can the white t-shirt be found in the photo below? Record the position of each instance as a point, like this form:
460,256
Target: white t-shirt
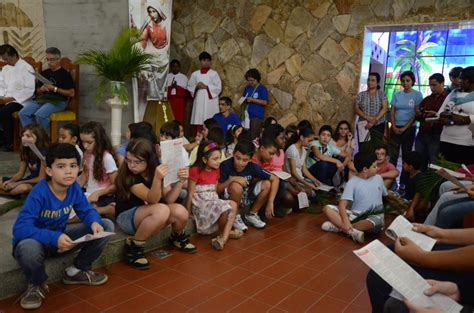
109,165
462,135
365,194
293,153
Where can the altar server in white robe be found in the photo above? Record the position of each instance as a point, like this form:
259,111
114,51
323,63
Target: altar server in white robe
205,86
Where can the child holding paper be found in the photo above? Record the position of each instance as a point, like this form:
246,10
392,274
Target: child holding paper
18,184
365,190
40,228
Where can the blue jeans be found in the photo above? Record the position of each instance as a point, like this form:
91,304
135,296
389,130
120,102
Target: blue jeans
428,146
31,254
34,112
324,171
452,215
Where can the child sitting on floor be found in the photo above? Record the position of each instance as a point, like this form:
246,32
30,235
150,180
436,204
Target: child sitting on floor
365,190
140,212
248,184
100,169
412,163
70,133
323,160
18,184
387,170
40,228
211,213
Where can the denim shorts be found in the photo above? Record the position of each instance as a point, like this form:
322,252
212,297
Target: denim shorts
126,221
377,220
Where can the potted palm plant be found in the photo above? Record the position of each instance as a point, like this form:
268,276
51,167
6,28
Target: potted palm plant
115,67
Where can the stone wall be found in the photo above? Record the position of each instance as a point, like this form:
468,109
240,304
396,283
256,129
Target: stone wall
308,52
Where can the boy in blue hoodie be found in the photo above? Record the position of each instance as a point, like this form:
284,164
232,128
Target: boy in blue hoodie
40,229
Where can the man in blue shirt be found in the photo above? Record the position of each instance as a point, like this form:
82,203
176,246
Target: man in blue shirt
40,228
226,118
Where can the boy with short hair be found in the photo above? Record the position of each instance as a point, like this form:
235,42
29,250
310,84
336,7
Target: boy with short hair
365,190
387,170
226,117
248,184
205,86
323,160
40,228
412,163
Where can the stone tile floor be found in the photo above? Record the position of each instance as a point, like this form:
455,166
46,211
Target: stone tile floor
291,266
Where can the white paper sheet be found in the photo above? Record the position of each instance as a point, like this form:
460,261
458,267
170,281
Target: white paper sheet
90,237
444,173
41,78
33,148
326,188
303,201
172,155
452,173
281,174
362,132
398,274
401,227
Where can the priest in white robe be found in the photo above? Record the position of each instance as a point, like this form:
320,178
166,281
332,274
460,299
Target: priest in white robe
205,86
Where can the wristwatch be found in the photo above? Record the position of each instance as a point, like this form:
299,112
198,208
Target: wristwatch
55,89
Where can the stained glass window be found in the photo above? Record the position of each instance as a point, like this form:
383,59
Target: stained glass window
425,53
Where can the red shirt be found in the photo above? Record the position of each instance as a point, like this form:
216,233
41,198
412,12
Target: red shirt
385,167
204,177
432,103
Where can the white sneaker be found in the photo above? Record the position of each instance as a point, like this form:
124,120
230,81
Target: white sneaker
357,235
254,220
239,224
328,226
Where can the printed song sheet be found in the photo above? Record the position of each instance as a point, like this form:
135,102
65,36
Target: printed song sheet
362,131
401,227
172,155
281,174
402,277
452,173
90,237
41,78
303,201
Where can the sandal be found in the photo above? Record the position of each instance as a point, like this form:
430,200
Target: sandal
235,234
218,243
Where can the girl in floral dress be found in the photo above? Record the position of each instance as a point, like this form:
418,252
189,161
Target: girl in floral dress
211,213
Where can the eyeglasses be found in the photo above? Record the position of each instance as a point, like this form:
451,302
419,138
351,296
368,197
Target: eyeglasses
51,59
134,162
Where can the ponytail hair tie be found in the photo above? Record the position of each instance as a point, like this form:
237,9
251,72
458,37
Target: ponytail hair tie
210,146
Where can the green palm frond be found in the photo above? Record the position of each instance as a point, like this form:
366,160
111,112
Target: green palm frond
122,62
430,181
382,209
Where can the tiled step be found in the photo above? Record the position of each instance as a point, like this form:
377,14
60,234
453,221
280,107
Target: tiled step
13,281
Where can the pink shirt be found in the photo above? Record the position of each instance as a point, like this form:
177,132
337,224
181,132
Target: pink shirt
276,164
385,167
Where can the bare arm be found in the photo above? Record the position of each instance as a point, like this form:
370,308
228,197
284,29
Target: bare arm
342,206
383,110
390,174
41,175
20,173
460,259
257,101
324,157
151,195
191,190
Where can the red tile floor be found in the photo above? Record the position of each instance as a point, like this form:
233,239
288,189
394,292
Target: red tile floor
291,266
